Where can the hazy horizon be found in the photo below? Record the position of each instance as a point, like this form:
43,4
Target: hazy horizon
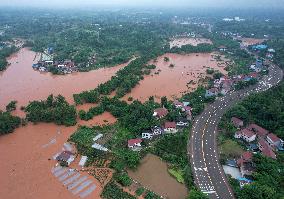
144,3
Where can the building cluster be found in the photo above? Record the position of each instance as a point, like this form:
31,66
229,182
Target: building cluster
46,61
167,127
225,84
257,140
238,19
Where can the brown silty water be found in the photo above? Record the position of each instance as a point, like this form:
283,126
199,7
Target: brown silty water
152,173
172,82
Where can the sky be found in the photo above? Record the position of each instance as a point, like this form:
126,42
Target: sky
145,3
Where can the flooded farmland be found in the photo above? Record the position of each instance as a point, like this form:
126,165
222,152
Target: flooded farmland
184,76
153,174
189,41
20,82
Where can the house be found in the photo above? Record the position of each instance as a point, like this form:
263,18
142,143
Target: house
134,143
260,47
248,135
261,132
156,130
211,92
246,157
147,135
83,161
237,122
182,122
238,134
222,48
265,149
253,147
160,112
66,156
170,127
245,163
178,104
254,68
274,141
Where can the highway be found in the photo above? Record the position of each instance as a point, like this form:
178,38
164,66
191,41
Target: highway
202,146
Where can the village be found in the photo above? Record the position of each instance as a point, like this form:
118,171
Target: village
46,63
256,140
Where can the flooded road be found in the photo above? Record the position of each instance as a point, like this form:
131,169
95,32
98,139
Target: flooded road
153,174
172,82
20,82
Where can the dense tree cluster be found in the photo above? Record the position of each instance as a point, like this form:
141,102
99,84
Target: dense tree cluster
113,191
8,122
4,53
53,109
267,183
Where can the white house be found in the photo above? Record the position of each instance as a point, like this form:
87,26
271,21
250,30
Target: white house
248,135
147,135
156,130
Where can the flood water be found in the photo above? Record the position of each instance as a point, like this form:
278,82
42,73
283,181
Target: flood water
172,81
153,174
20,82
25,167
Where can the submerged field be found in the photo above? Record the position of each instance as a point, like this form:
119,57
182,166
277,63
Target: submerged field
185,75
153,174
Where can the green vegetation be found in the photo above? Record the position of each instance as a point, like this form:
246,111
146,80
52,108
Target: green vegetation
53,109
178,174
4,53
200,48
8,122
242,84
267,183
151,195
230,149
265,109
11,106
139,191
196,194
113,191
123,179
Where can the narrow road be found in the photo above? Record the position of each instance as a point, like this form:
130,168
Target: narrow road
202,148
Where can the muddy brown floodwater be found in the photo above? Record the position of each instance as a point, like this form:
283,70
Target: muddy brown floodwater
191,41
173,81
20,82
153,174
25,168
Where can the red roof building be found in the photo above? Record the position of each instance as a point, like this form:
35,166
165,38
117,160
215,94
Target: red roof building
170,125
265,149
237,122
248,135
160,112
134,142
261,132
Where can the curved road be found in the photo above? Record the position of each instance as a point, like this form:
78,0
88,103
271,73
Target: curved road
202,149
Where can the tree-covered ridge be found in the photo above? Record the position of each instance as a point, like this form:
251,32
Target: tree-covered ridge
53,109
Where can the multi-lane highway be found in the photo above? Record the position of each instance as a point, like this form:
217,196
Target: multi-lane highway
202,148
